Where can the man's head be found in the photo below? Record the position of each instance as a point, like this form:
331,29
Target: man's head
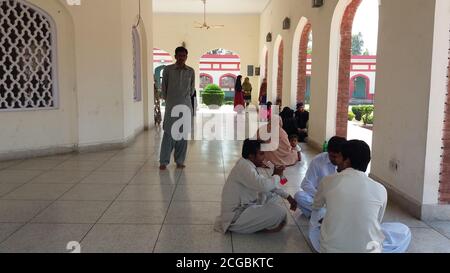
181,54
293,139
251,150
356,155
335,150
300,107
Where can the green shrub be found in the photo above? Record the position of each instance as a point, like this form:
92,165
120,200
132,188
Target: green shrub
367,116
368,119
362,111
229,102
357,111
351,116
213,95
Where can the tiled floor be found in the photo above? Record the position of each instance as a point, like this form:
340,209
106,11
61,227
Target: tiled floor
118,201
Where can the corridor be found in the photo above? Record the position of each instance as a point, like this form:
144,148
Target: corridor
118,201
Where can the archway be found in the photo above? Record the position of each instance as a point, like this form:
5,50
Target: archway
220,66
161,59
301,62
345,66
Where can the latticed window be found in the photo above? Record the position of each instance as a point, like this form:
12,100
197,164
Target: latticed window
27,57
137,65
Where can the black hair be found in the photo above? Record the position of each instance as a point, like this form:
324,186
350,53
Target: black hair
238,84
251,147
359,154
269,103
291,137
300,104
335,144
181,49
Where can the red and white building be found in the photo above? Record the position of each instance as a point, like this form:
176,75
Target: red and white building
219,69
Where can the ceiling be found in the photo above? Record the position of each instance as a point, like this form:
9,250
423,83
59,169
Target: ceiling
212,6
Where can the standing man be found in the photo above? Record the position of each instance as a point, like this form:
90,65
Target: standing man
178,86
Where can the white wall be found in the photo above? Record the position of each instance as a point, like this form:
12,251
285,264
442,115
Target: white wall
99,71
403,96
95,81
240,35
436,106
43,129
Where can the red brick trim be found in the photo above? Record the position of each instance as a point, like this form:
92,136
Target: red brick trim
444,176
280,73
344,68
302,62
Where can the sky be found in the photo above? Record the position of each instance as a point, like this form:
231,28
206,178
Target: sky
366,22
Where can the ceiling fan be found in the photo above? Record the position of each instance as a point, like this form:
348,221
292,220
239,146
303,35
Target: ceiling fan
204,25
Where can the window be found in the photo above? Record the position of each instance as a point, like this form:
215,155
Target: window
137,86
205,80
228,81
28,57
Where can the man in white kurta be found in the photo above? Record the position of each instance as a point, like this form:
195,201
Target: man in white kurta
355,206
321,166
251,201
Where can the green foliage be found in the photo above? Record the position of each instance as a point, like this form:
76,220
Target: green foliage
212,87
368,119
357,44
213,95
358,112
351,116
363,113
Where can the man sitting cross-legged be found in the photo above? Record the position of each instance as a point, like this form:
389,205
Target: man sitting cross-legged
321,166
250,200
355,206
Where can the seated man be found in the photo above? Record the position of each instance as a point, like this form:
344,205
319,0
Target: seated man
322,165
355,206
250,201
302,117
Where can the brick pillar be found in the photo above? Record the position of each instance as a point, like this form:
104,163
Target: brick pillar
280,73
344,68
444,181
302,63
266,67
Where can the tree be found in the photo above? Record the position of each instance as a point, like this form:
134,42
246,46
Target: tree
357,44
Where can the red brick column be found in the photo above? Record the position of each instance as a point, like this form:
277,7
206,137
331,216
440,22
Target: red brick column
302,63
444,181
266,66
280,73
344,68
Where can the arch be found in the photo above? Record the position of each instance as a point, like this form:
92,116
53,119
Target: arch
161,57
354,88
339,67
299,60
230,84
264,61
278,46
204,84
158,74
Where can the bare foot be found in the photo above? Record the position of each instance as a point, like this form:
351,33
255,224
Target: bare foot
162,168
181,166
